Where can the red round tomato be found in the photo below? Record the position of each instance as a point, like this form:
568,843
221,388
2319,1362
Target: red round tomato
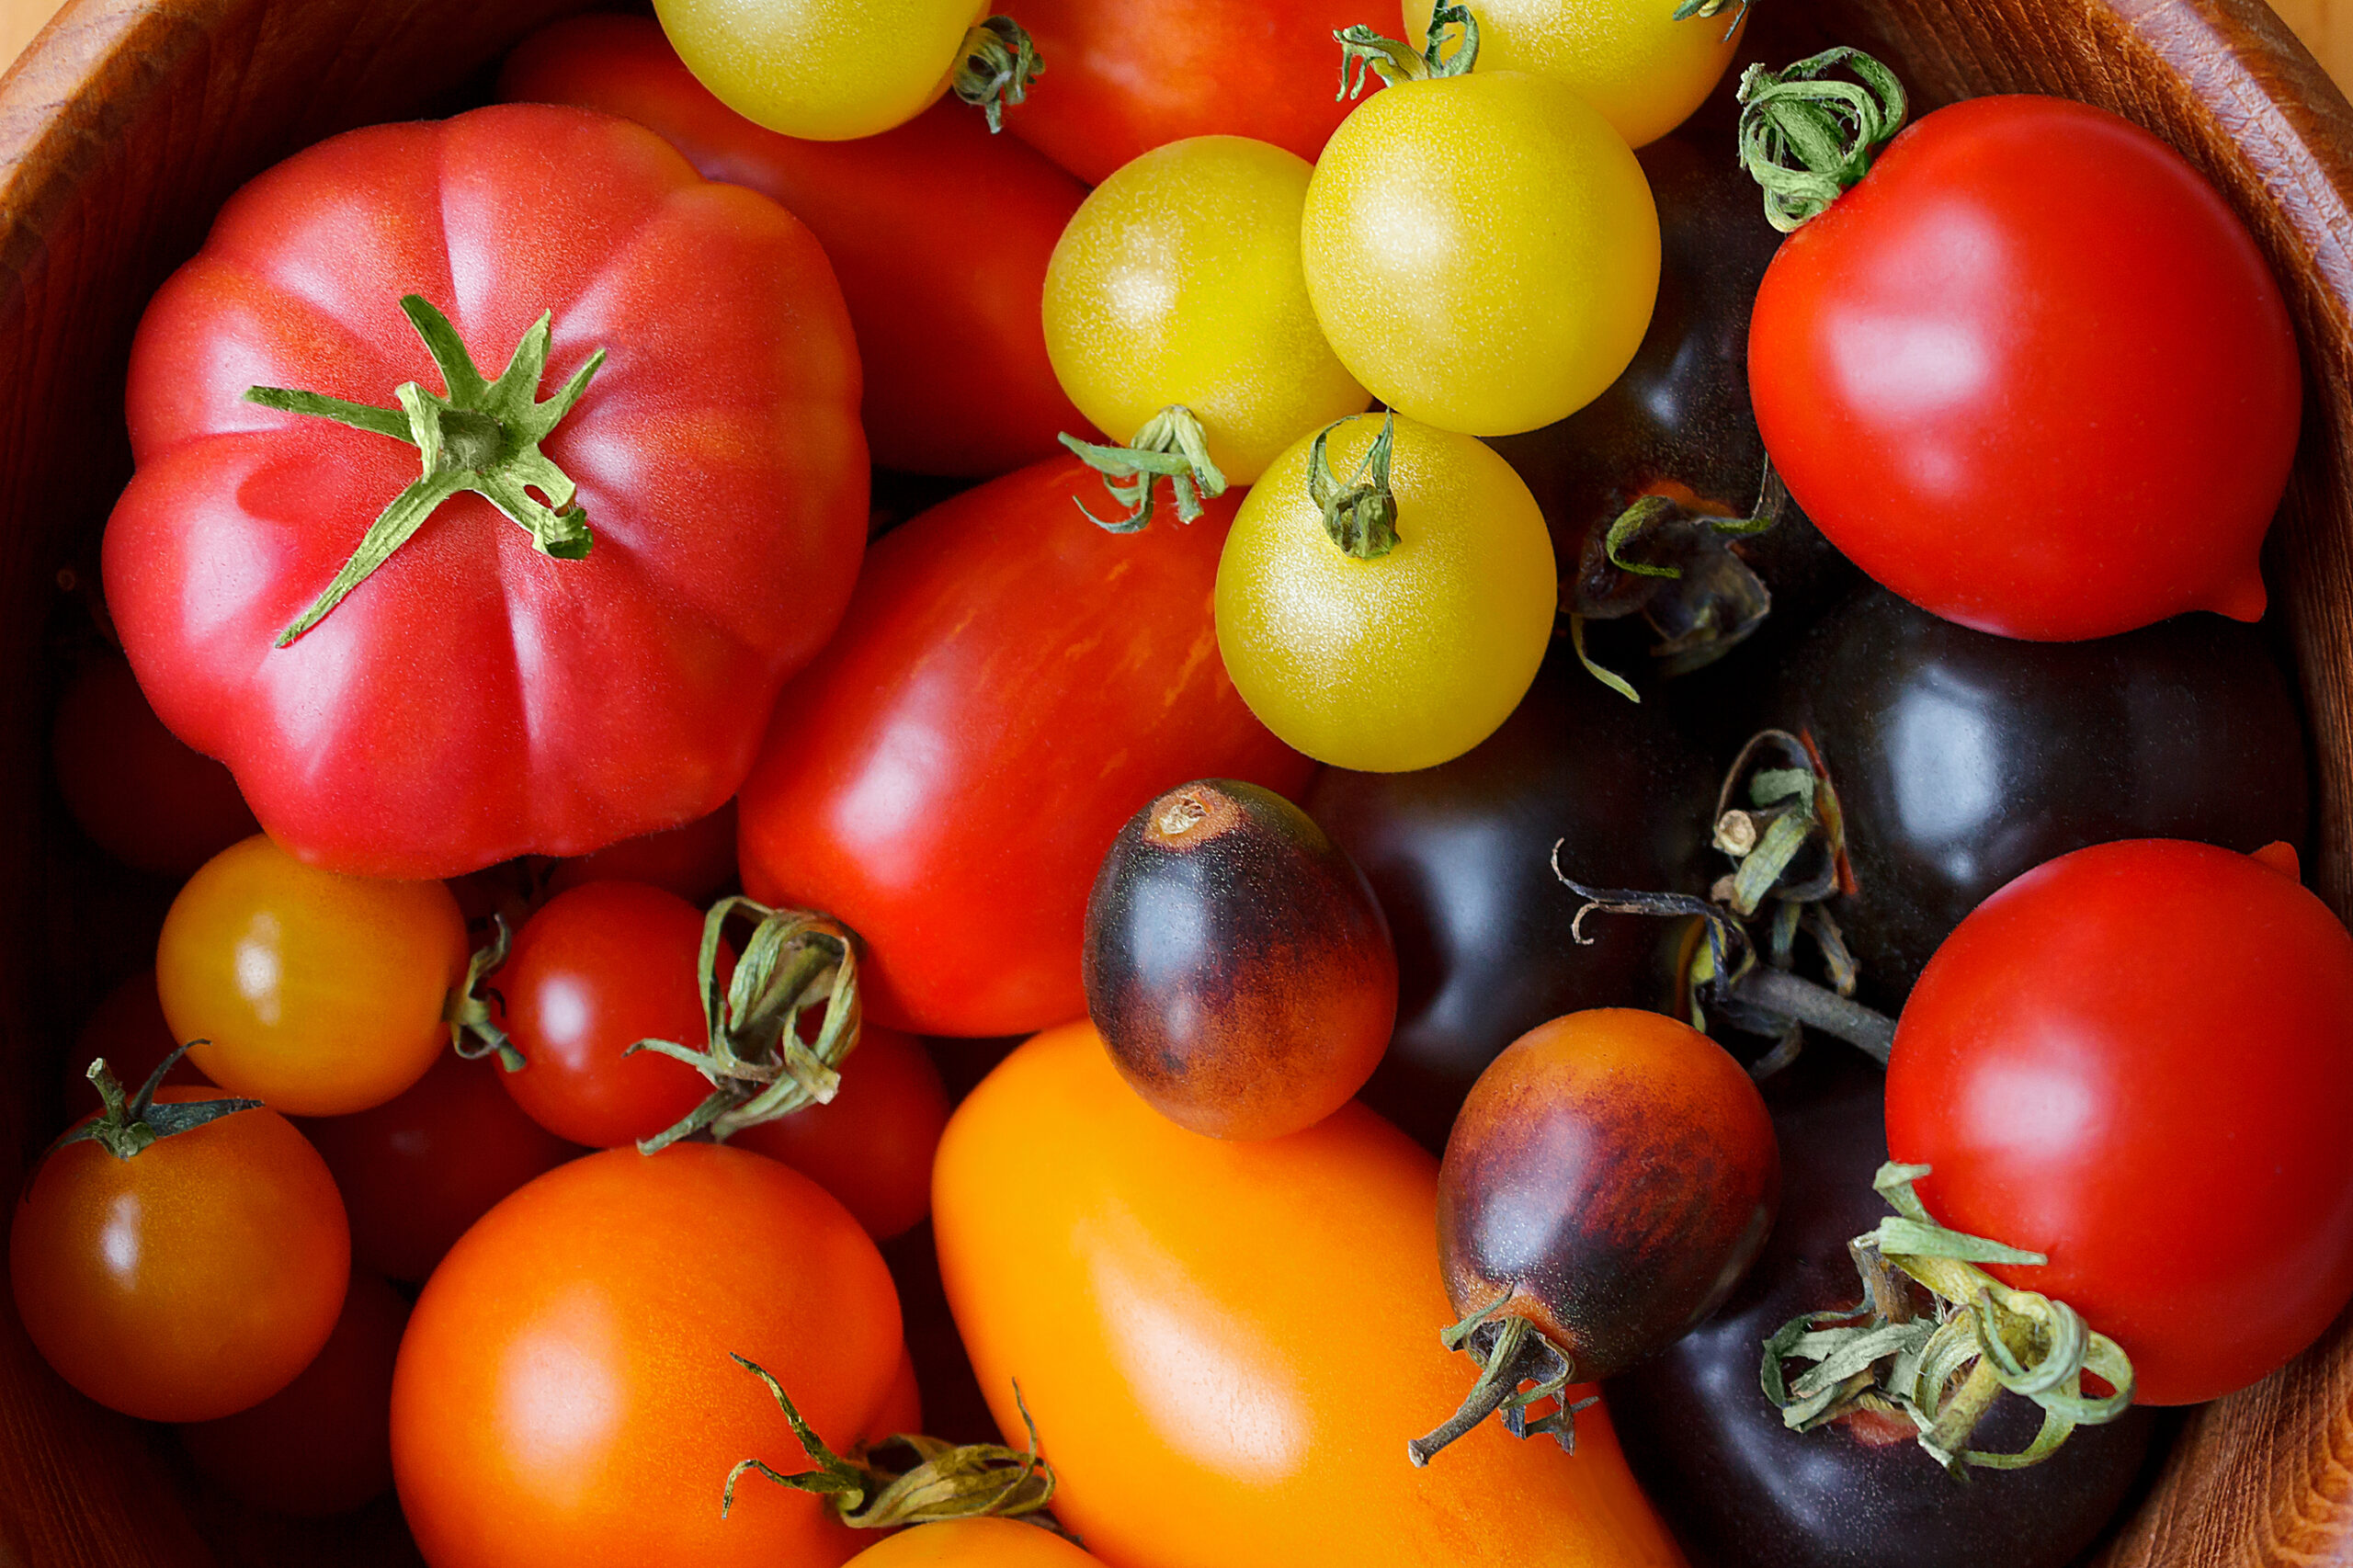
565,1394
938,230
1130,75
697,862
1012,683
484,694
596,971
147,800
2033,375
871,1145
321,1444
418,1169
2136,1060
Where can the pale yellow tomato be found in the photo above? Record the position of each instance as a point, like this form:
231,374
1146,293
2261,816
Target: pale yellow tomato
1408,659
1630,59
823,70
1482,251
1177,282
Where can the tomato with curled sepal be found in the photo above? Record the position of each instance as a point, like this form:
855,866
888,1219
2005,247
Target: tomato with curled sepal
482,694
1012,684
957,380
871,1145
1225,1344
145,798
1644,66
2134,1060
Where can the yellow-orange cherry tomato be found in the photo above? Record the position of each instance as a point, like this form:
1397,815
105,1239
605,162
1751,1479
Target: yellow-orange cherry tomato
1227,1346
1630,59
974,1543
1411,658
1177,282
822,70
1482,251
318,992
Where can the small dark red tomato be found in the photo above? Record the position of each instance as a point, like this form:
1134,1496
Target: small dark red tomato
1236,963
130,1031
872,1145
596,971
321,1444
143,795
1612,1176
420,1168
695,861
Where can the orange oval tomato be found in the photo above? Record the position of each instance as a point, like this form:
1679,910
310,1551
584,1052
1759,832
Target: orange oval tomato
566,1396
974,1543
1228,1345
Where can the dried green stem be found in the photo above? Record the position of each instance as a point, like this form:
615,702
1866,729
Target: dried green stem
1808,137
1361,516
131,1124
1452,49
1171,446
474,1033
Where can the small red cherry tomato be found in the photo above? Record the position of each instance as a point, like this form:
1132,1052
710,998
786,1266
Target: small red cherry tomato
147,798
2136,1060
872,1145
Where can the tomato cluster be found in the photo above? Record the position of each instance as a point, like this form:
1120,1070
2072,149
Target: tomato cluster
543,1114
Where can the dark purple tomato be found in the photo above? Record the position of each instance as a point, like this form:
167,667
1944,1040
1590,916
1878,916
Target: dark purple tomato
1461,858
1236,963
1739,1490
1963,760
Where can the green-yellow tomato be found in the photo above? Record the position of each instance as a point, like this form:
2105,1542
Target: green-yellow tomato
1178,281
1408,659
1482,251
1630,59
822,70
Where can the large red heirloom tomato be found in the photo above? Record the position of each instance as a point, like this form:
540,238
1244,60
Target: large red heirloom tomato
687,539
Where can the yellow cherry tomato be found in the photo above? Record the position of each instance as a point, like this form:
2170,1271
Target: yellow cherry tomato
1630,59
824,70
1178,281
319,994
974,1543
1482,251
1408,659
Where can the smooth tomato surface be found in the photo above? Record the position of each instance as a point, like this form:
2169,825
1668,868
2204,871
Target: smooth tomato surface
695,861
1226,1345
318,992
476,699
831,70
565,1397
2033,375
938,230
1011,685
871,1145
974,1543
2135,1058
189,1281
1633,60
145,798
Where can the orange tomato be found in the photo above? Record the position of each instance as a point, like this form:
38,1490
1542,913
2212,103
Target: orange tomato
1227,1346
974,1543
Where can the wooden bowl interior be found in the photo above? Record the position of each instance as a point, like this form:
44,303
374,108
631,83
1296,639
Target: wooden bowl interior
127,124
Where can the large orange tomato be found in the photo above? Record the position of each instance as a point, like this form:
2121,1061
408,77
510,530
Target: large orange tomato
1227,1346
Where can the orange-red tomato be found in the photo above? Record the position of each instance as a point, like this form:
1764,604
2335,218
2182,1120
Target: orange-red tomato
566,1396
974,1543
1227,1346
321,1445
189,1281
872,1145
146,797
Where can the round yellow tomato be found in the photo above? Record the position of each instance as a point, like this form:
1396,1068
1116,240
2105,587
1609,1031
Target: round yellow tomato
319,994
1227,1346
1482,251
973,1544
1630,59
822,70
1408,659
1177,282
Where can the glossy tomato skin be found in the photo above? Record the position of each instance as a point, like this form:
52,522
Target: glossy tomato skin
146,798
1011,685
487,700
1641,65
2134,1060
1227,1345
597,969
319,993
321,1444
417,1170
974,1543
1611,1177
583,1329
957,380
190,1281
1461,858
1130,75
833,70
1238,968
1742,1490
2033,375
1963,760
697,862
871,1145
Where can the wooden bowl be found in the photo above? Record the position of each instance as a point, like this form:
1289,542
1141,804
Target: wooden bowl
129,120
